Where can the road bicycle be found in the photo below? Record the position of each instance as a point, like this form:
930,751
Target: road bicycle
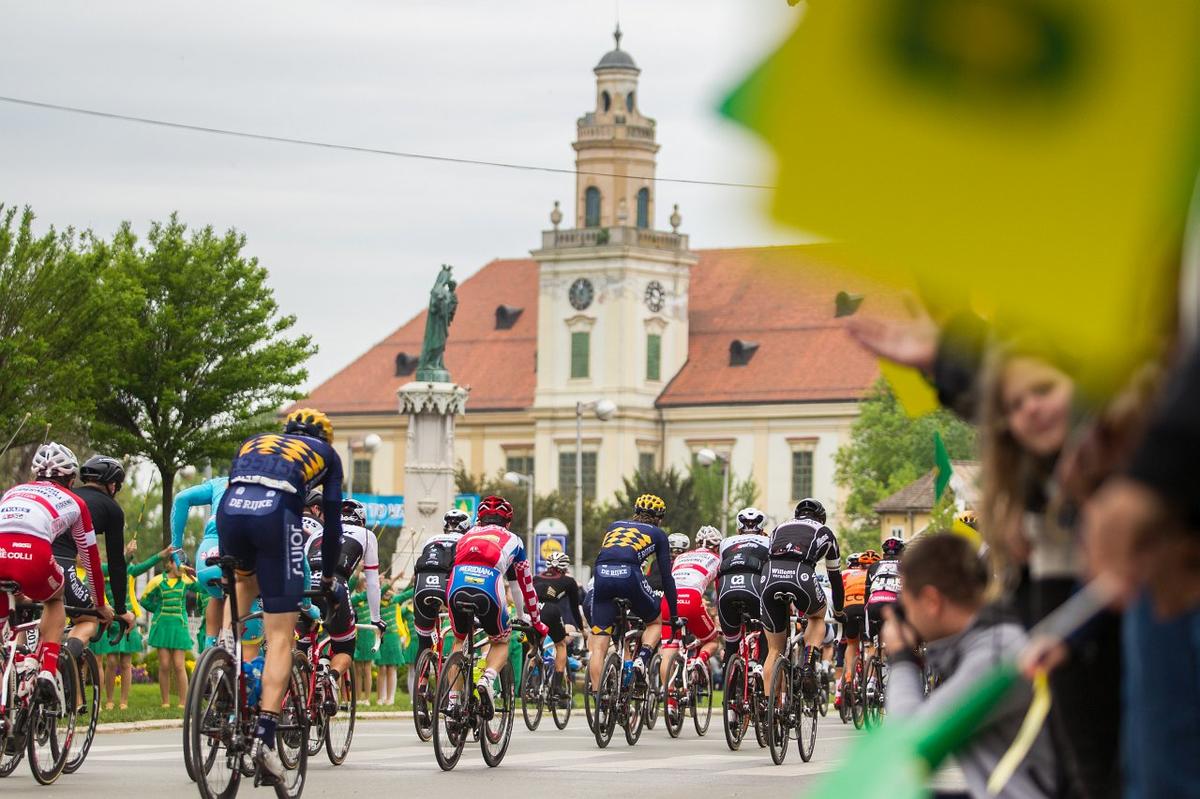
790,708
87,708
427,668
621,696
744,701
330,709
872,686
688,686
458,712
853,685
223,714
537,689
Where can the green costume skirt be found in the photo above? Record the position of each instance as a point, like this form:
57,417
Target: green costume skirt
390,653
170,632
131,642
101,647
363,644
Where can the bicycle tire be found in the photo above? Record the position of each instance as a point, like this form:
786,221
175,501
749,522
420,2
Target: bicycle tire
634,707
654,697
89,684
872,709
424,693
187,714
587,701
778,730
560,712
701,697
673,689
494,745
733,704
44,731
531,691
291,737
608,696
858,710
823,695
450,723
212,702
806,727
347,709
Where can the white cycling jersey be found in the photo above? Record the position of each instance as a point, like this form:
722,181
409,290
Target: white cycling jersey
46,510
695,569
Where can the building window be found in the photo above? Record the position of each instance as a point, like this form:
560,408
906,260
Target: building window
898,531
645,462
580,351
566,474
591,207
521,464
629,102
643,208
653,356
605,100
360,477
406,364
802,474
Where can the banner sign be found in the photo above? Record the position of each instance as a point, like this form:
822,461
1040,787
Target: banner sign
549,536
387,510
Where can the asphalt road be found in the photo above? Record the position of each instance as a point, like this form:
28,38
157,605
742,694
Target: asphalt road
387,759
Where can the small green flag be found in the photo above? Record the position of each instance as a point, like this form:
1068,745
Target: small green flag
945,470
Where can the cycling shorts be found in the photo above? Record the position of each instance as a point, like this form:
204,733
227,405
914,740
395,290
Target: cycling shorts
794,577
855,624
428,600
75,591
620,581
260,528
340,624
691,609
875,616
28,561
552,617
737,595
477,594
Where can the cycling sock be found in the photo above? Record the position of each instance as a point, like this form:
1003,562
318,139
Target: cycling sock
75,647
267,721
210,641
704,656
645,653
47,655
488,676
556,682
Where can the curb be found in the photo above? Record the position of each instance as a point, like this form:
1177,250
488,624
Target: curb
167,724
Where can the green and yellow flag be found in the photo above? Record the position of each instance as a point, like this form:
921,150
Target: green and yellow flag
1032,157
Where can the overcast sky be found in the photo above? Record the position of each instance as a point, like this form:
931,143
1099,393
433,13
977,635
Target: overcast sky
354,241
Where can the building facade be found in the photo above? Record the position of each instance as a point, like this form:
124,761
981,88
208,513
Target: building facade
737,350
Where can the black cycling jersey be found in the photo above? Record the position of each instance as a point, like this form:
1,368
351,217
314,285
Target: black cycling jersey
883,576
562,591
744,553
438,554
109,521
807,540
355,543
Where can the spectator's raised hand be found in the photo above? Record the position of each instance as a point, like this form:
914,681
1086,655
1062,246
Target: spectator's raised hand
911,342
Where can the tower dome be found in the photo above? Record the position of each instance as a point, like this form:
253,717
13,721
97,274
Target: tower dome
617,58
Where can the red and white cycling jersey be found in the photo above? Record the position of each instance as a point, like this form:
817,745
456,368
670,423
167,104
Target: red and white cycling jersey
497,548
695,569
46,510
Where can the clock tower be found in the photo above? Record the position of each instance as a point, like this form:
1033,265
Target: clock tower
613,293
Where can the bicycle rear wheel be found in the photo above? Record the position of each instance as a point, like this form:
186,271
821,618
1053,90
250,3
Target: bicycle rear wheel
634,706
451,724
212,709
654,698
779,702
12,749
873,708
52,727
701,697
424,693
87,705
587,701
673,695
339,728
560,707
858,693
733,703
806,727
291,737
531,691
497,732
608,698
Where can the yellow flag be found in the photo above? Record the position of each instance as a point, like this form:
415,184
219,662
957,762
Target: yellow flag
912,391
1035,156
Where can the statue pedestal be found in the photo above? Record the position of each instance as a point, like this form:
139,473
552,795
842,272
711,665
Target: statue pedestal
429,464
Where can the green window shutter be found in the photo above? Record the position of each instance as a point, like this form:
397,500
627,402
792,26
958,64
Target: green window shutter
580,347
802,474
653,356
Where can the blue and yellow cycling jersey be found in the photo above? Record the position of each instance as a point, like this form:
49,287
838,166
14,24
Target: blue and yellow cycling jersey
634,543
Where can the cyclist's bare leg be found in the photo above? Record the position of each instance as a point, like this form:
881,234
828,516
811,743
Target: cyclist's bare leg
775,642
497,653
341,663
598,649
280,632
214,616
110,676
126,678
181,678
851,656
83,630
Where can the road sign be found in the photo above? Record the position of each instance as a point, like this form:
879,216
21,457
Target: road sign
549,536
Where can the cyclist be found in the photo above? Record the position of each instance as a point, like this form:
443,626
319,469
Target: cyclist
738,578
102,477
259,524
797,548
618,575
431,575
558,595
209,577
694,571
359,545
484,558
33,515
883,589
854,586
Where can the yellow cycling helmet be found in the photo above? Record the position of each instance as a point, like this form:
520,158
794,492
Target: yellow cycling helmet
309,422
650,505
968,518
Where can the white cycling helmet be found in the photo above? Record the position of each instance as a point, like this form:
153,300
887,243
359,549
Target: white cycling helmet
708,536
55,460
678,542
751,520
558,560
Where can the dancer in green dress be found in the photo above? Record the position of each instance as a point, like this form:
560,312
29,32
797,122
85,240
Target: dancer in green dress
166,598
365,653
391,651
120,655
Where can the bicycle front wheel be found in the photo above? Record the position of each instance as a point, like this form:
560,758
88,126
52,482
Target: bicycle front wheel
673,696
806,730
608,698
451,724
587,701
701,697
560,707
87,706
339,728
497,732
654,698
52,726
212,711
779,706
733,703
424,693
633,708
531,691
291,737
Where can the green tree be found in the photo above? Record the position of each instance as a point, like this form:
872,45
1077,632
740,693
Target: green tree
708,488
205,355
886,451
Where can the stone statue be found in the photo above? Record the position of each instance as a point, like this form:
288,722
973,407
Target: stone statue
442,305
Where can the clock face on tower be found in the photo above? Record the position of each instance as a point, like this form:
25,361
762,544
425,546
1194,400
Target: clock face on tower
581,294
655,296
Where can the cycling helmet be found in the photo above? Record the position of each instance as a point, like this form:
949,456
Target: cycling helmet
809,508
103,470
454,520
650,505
678,542
354,512
493,506
968,518
54,460
853,561
750,520
708,536
313,497
892,547
558,560
309,422
868,558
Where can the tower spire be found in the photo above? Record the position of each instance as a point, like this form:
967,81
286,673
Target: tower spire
617,35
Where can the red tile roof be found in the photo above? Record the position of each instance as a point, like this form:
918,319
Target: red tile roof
781,298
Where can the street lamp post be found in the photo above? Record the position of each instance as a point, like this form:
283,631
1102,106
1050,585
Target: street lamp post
604,410
368,443
708,457
516,479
